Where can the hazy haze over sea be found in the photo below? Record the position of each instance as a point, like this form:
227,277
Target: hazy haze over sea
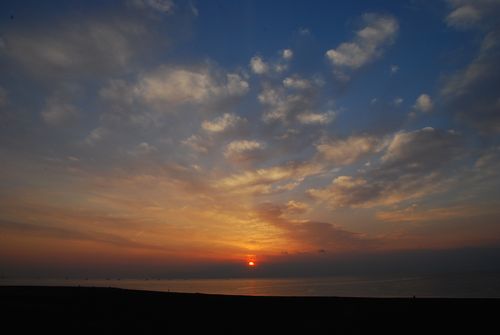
456,286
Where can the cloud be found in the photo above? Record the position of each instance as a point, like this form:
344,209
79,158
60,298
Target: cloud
243,150
222,123
470,93
197,144
467,14
398,101
70,234
415,214
268,180
296,83
316,118
258,65
58,112
414,164
370,41
96,135
394,69
142,149
423,149
310,234
77,48
287,54
164,6
178,85
424,103
296,207
350,150
463,16
284,106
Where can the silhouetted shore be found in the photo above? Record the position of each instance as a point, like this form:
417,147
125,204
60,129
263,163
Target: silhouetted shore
74,309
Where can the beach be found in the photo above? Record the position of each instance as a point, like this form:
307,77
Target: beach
73,309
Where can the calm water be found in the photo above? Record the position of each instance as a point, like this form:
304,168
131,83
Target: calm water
458,286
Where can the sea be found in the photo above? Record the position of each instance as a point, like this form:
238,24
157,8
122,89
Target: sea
446,286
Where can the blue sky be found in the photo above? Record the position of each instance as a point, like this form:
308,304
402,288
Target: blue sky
176,133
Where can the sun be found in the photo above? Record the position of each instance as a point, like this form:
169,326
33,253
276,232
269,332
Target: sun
251,263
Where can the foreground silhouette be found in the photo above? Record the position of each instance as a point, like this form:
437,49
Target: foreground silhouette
98,309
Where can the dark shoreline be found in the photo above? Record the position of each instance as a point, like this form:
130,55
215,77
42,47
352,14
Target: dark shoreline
90,308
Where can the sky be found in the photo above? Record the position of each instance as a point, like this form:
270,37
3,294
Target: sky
185,138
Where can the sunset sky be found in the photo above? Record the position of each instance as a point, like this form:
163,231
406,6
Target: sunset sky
176,138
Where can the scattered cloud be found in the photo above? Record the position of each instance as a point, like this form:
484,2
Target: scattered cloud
370,42
222,123
297,83
197,144
313,235
296,207
81,49
268,180
316,118
470,93
258,65
424,103
287,54
394,69
285,106
471,13
243,150
398,101
177,85
350,150
412,165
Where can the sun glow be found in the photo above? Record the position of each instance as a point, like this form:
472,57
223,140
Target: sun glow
251,263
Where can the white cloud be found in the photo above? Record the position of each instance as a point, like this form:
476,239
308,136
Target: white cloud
269,180
170,85
394,69
285,106
350,150
287,54
297,83
424,103
58,112
316,118
258,65
378,32
241,150
221,123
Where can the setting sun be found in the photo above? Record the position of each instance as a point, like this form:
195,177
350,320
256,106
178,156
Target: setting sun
251,263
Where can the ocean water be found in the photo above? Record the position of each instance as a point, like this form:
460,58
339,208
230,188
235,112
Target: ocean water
453,286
